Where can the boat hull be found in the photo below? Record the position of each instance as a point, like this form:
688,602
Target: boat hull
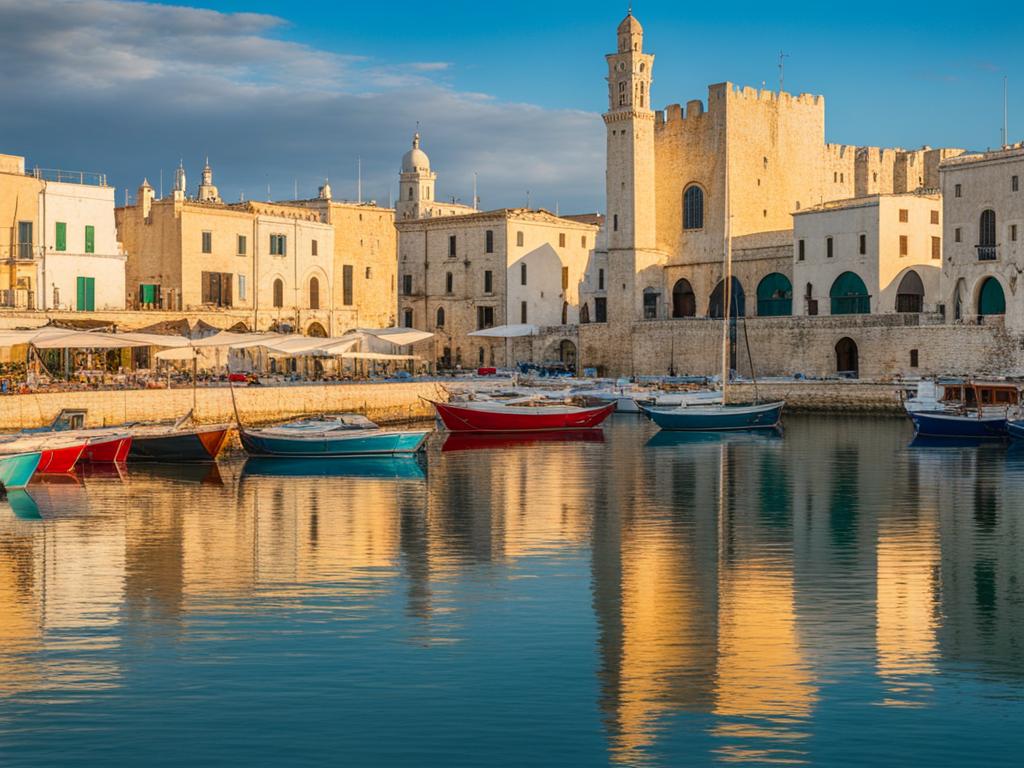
717,418
107,450
332,446
16,469
179,446
59,461
937,424
1015,429
462,419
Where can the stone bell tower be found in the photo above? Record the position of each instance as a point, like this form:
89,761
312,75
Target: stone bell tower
630,172
416,183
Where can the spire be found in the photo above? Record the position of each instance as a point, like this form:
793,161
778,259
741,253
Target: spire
179,178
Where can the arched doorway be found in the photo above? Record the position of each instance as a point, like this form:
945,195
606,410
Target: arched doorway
738,300
910,294
317,331
849,295
991,299
567,353
847,357
439,321
684,301
775,296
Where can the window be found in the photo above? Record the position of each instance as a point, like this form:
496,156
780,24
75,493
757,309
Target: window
904,215
903,245
440,318
936,248
369,272
1015,183
583,241
407,318
449,282
801,250
650,304
484,318
522,274
347,281
600,279
863,249
600,309
615,223
565,278
1013,232
489,238
957,235
314,293
488,281
522,312
913,358
958,191
90,238
62,236
313,248
935,217
243,245
86,294
451,246
24,239
693,207
480,356
217,288
828,247
406,285
149,295
241,287
519,239
561,239
987,228
207,242
278,293
278,245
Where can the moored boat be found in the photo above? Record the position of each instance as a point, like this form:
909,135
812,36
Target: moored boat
176,443
540,417
979,425
108,448
717,418
16,469
1015,429
963,409
57,454
343,435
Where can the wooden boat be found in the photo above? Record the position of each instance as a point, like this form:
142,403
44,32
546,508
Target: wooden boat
57,454
717,418
965,409
16,469
177,443
103,445
343,435
108,448
497,417
977,424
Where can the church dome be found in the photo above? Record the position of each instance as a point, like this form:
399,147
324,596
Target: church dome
415,159
630,26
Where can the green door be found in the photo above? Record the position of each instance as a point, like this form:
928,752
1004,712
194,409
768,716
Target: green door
86,294
774,296
62,236
90,238
850,296
992,300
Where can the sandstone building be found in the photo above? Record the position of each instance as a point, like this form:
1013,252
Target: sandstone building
58,241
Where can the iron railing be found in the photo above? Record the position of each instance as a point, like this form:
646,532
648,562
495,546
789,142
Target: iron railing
91,178
987,252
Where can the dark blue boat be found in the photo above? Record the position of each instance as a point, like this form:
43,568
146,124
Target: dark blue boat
717,418
1015,429
972,424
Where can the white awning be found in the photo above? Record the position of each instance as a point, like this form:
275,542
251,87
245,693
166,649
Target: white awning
85,340
233,340
507,331
377,356
180,353
155,339
400,337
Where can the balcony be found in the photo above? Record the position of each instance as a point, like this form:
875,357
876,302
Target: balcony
69,177
987,252
26,252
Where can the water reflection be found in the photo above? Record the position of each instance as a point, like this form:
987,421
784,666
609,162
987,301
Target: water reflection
746,593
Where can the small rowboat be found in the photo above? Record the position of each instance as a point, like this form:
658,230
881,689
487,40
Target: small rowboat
16,469
108,448
497,417
57,454
987,424
717,418
338,436
177,443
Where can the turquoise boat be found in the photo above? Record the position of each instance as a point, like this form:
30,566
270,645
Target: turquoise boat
16,469
330,437
717,418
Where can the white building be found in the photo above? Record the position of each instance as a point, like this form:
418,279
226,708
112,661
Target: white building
869,255
83,265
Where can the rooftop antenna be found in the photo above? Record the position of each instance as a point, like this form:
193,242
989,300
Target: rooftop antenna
161,183
359,180
782,69
295,188
527,199
1006,122
476,200
558,210
268,191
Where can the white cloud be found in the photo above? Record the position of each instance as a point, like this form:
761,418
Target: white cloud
128,87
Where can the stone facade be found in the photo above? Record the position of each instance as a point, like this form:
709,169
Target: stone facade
983,204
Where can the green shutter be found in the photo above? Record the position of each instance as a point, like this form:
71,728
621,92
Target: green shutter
90,294
62,236
80,297
90,238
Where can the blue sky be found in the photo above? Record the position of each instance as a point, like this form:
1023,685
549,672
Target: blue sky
512,91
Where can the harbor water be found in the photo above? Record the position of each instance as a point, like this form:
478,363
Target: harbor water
829,597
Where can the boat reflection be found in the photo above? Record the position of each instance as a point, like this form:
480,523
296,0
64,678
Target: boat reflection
468,441
207,473
400,467
669,439
105,471
924,441
23,506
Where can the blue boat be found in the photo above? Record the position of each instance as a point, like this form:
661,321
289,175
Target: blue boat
979,425
16,469
1015,429
717,418
330,437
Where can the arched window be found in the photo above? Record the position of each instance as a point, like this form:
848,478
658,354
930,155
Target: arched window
584,314
278,293
910,294
314,293
847,358
991,299
410,193
448,282
987,228
849,295
684,302
693,207
440,317
317,331
565,313
775,296
738,300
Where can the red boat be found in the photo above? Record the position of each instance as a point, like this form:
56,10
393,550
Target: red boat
109,448
491,416
58,454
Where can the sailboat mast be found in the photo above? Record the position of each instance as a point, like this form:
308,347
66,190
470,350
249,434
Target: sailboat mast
726,281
